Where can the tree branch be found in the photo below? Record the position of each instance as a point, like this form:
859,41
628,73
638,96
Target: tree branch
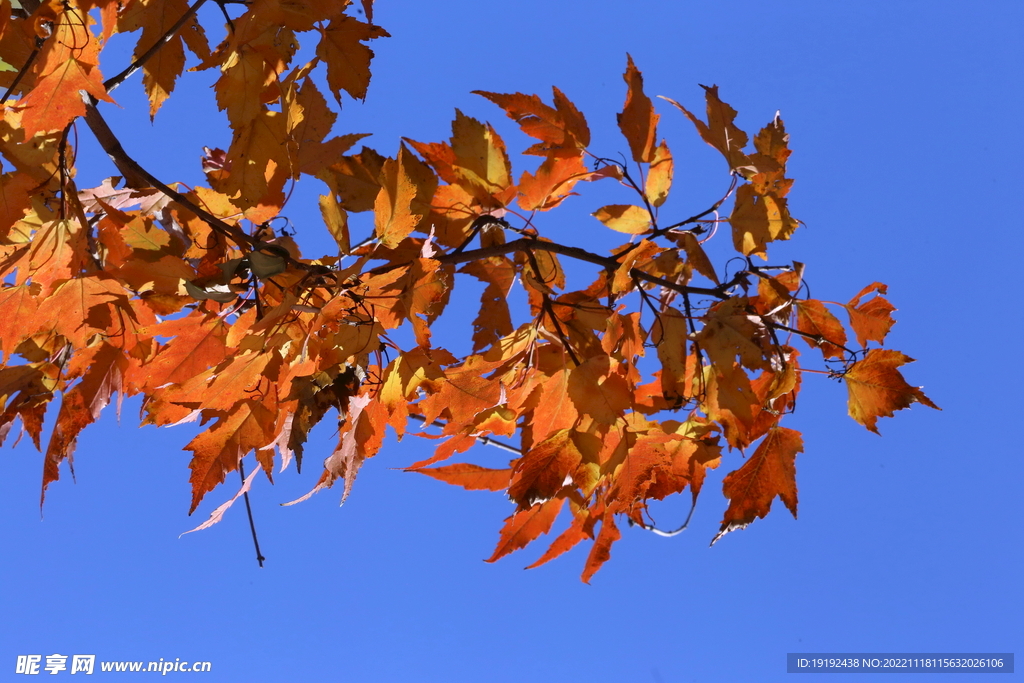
136,176
528,244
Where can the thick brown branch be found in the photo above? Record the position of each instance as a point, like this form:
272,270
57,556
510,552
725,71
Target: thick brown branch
136,176
120,78
527,244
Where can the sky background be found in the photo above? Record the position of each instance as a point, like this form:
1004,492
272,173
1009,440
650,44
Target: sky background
902,119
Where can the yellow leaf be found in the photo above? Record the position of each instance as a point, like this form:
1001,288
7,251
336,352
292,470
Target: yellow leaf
632,220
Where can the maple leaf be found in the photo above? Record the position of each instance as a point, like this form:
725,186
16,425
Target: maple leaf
768,473
82,404
561,129
219,449
759,219
347,59
260,343
156,18
877,389
814,319
542,470
68,72
526,525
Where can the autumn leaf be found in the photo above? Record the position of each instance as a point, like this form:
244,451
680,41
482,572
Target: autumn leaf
542,470
551,184
720,132
469,477
872,320
877,389
526,525
638,120
659,177
632,220
393,209
561,129
768,473
813,318
348,60
199,299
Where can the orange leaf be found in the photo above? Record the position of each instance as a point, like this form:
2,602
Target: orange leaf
597,390
566,541
525,526
638,120
877,388
481,162
393,215
17,303
695,254
601,551
759,219
198,343
552,183
105,366
470,477
56,100
542,470
562,130
769,472
162,70
219,449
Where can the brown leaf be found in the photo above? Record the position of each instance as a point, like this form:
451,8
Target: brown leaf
347,59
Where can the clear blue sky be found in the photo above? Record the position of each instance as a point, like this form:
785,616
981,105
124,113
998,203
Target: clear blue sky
904,120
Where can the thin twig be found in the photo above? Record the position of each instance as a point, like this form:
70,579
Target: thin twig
483,439
248,509
666,534
528,244
24,69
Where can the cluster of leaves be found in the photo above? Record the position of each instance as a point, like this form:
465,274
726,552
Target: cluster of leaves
187,297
